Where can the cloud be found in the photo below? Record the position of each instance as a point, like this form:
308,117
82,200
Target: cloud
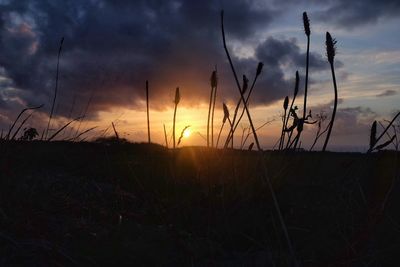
349,121
387,93
112,47
350,14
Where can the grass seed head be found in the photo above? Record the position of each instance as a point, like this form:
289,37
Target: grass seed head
330,47
372,138
306,23
177,96
226,112
286,103
259,68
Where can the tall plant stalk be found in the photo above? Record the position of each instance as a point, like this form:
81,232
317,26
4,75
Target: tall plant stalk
307,31
165,136
237,83
210,108
265,175
55,88
296,90
377,139
285,107
226,117
244,89
147,109
177,99
214,83
7,137
330,52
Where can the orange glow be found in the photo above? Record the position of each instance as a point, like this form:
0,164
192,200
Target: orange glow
187,133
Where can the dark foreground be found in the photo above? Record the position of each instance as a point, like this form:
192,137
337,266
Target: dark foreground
87,204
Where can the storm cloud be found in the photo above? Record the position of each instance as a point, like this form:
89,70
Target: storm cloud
112,47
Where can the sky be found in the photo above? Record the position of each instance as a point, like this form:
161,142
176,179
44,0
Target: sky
111,47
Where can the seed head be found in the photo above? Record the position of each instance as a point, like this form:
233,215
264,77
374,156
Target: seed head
226,112
306,23
214,79
259,68
286,103
330,47
177,96
372,138
245,84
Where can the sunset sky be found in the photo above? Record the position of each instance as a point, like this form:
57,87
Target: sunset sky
112,47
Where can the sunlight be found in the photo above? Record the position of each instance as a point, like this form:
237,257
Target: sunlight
187,133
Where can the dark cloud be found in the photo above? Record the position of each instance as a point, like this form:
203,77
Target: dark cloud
350,14
112,47
387,93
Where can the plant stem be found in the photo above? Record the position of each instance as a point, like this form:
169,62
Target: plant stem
148,114
55,88
383,133
238,85
208,118
212,116
328,135
165,136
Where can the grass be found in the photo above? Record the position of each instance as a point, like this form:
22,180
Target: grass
105,203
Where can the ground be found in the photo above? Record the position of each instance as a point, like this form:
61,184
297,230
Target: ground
113,203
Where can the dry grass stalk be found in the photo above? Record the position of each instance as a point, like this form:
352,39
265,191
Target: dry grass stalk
176,102
7,137
165,136
115,131
214,83
55,88
330,52
285,107
238,84
382,134
148,114
62,128
182,132
307,31
292,113
226,117
265,175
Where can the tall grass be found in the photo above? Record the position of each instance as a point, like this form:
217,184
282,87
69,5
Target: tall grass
265,175
307,31
331,52
214,83
7,137
115,131
292,113
176,102
285,107
147,110
238,84
55,88
374,140
226,117
211,107
165,136
306,23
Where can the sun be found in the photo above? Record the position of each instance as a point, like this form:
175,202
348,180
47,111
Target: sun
187,133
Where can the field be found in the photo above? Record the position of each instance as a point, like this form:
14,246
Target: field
116,203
